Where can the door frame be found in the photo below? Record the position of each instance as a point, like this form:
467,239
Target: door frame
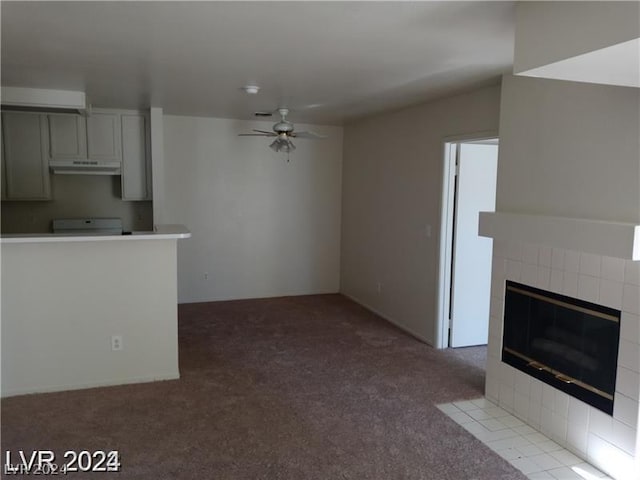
450,148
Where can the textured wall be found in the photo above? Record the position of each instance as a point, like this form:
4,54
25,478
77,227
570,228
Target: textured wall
392,195
262,226
62,302
76,196
547,32
569,149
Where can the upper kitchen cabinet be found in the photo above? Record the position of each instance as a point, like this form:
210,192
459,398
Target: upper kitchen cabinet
95,137
106,142
68,136
25,156
103,137
136,161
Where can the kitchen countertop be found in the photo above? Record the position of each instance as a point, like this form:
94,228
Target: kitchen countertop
160,232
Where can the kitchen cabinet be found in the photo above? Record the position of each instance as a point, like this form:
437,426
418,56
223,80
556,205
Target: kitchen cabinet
3,170
103,137
136,162
68,136
32,140
25,156
95,137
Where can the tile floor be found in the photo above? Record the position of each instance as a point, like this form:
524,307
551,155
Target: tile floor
525,448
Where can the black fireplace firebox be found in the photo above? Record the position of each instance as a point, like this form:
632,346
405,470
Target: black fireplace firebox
565,342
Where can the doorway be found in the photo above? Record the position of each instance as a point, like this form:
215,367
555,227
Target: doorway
470,171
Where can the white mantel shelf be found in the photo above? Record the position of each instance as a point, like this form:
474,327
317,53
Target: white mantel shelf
160,232
611,239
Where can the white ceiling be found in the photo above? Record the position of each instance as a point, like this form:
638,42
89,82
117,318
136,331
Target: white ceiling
328,61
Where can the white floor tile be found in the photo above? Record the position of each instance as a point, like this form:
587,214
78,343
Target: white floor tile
493,424
540,476
509,453
546,461
466,405
507,434
448,408
474,428
524,430
498,445
483,403
511,421
496,412
519,441
564,473
460,417
478,414
536,437
528,450
589,469
565,457
549,446
525,465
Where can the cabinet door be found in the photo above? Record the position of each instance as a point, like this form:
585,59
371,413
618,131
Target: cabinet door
68,136
3,170
103,137
135,162
26,162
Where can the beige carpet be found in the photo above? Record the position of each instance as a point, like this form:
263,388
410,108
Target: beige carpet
310,387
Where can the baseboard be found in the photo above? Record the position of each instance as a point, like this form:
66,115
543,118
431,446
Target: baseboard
388,319
253,297
83,386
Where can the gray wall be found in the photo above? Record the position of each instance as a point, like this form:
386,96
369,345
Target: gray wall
262,226
65,300
569,149
392,190
77,196
547,32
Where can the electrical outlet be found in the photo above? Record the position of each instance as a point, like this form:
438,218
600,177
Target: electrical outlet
379,287
206,275
116,343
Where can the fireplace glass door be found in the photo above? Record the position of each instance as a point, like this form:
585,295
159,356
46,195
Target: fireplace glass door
568,343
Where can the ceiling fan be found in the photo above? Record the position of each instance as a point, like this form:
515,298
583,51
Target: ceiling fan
284,132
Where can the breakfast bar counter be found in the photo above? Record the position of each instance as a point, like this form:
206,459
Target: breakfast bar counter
82,311
160,232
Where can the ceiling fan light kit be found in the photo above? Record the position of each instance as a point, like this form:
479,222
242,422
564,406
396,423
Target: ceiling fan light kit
280,145
284,132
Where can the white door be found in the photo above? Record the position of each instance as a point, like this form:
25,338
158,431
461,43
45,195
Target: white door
472,254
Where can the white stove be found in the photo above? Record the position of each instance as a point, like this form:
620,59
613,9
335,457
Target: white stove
84,226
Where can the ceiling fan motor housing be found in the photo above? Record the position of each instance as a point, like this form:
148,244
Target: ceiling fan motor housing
283,127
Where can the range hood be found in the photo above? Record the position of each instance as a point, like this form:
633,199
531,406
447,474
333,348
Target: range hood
41,99
85,167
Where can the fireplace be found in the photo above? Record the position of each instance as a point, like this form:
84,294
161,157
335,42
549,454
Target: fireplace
567,343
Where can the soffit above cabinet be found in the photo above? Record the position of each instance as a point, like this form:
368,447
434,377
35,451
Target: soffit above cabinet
44,99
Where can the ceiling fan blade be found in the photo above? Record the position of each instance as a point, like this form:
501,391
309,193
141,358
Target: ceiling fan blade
254,135
313,135
265,131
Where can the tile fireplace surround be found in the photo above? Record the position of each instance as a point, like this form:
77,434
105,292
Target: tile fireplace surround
611,443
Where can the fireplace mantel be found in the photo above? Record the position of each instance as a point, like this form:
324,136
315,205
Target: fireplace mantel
611,239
